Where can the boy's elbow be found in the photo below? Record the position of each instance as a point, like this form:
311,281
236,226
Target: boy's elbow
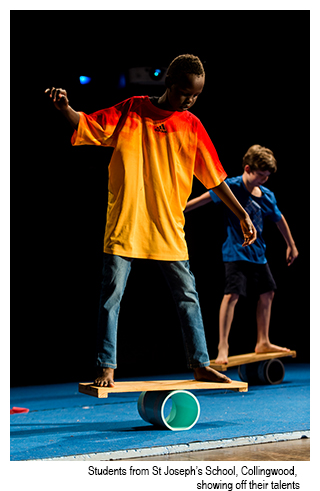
281,221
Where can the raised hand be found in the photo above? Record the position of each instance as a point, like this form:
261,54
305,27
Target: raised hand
59,97
61,102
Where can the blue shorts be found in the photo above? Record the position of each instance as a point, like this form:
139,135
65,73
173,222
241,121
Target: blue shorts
245,278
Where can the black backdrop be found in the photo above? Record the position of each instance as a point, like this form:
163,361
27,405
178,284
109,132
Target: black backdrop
257,91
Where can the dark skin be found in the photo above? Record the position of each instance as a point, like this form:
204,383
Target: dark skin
177,97
181,97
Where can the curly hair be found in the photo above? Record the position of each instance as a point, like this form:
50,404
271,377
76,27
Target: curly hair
182,65
262,158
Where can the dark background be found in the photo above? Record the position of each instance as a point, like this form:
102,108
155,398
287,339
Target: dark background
257,91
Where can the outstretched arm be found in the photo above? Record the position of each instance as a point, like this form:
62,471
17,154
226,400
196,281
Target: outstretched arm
199,201
292,251
61,102
226,195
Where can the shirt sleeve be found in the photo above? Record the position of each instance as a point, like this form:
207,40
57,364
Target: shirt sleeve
101,127
208,168
274,213
214,197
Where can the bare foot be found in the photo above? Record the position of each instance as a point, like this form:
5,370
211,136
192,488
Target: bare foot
105,377
222,358
269,348
208,374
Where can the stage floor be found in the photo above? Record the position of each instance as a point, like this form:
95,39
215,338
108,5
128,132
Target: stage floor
63,424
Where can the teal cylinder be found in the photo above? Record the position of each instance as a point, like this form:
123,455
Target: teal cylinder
183,405
269,372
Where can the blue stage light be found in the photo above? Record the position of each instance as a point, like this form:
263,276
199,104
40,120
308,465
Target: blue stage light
84,80
157,72
122,81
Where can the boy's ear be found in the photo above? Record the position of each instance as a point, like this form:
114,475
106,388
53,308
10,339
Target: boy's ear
247,168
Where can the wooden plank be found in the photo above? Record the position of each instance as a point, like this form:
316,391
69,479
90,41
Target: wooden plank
237,360
140,386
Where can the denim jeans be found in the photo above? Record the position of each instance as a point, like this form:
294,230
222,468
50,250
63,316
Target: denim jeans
116,270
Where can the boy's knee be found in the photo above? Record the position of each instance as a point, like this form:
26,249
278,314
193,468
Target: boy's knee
267,297
231,298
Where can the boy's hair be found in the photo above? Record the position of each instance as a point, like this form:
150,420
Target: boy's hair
180,66
261,158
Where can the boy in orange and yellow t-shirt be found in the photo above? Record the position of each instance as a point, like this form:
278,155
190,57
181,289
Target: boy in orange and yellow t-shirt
158,147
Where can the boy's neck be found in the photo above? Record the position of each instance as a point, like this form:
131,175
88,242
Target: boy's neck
254,190
163,102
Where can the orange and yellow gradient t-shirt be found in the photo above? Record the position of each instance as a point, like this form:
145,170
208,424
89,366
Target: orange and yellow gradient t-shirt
156,153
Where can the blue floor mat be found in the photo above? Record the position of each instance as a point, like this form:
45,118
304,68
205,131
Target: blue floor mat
62,422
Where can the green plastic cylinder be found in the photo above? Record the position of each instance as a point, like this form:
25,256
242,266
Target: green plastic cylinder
184,413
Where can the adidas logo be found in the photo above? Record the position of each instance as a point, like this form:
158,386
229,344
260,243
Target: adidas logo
161,128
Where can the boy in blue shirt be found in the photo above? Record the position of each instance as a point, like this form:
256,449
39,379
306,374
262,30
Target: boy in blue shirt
247,267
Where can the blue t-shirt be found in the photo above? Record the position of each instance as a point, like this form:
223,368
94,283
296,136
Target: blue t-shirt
258,209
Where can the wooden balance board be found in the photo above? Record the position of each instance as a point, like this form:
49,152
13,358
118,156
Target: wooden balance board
156,396
158,385
237,360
